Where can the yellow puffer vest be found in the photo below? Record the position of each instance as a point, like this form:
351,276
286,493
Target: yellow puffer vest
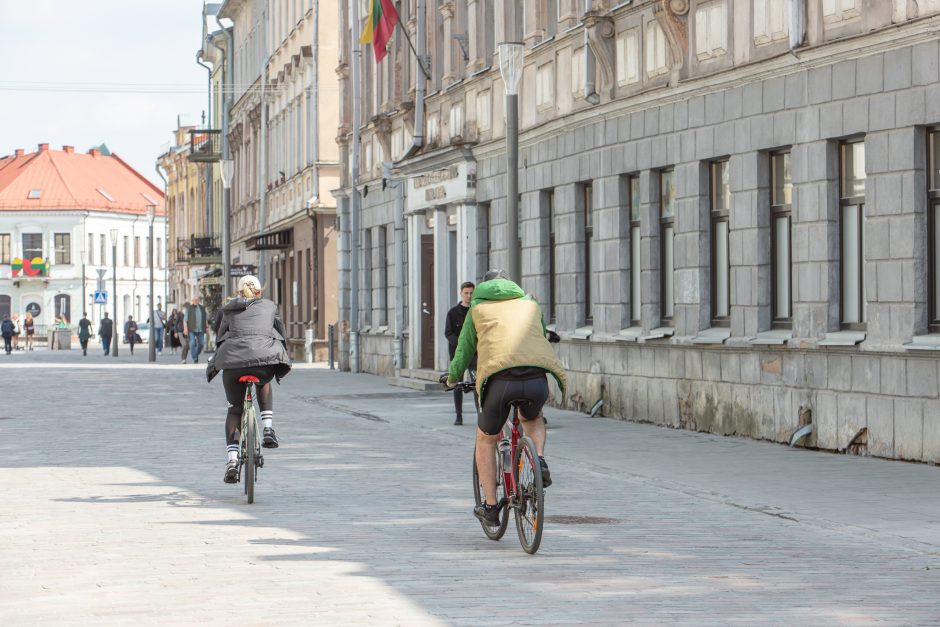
509,335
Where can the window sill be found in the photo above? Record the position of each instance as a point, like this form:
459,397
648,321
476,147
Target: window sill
583,333
843,338
714,335
659,333
775,337
929,342
633,334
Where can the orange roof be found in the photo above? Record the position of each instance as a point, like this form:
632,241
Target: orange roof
69,180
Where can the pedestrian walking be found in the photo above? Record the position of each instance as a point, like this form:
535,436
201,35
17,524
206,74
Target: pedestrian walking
30,328
84,332
157,324
195,327
181,334
130,332
105,331
452,327
172,336
6,329
17,329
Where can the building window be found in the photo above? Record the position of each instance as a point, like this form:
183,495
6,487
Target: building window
587,221
137,255
91,250
577,71
835,11
32,245
933,229
711,30
127,251
720,267
667,218
549,198
434,125
367,268
771,21
781,197
103,255
159,252
656,60
852,210
628,67
633,198
544,91
456,121
63,248
63,306
5,256
484,110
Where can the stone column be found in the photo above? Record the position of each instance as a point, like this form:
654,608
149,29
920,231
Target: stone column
443,291
692,254
475,35
650,242
447,51
749,244
415,228
467,243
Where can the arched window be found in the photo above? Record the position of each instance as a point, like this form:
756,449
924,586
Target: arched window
5,307
63,306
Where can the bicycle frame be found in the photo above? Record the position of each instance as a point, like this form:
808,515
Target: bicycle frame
508,480
248,413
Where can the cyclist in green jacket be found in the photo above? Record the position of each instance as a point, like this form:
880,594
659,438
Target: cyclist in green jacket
505,330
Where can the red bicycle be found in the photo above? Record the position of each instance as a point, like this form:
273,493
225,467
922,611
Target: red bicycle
518,483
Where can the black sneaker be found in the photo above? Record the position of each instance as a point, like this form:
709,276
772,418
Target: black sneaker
269,438
231,472
546,475
487,514
458,421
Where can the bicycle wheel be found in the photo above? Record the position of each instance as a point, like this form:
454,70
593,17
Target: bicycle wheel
493,533
250,444
530,498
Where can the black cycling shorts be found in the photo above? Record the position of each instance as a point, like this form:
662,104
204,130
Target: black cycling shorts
235,391
500,392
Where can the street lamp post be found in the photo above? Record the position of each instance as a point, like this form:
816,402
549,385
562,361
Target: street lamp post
510,68
228,169
151,342
115,342
84,292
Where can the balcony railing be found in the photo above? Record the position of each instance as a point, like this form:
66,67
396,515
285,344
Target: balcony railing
205,145
199,250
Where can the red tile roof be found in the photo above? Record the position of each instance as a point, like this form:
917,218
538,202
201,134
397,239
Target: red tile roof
69,180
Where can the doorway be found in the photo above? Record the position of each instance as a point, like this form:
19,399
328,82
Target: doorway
427,301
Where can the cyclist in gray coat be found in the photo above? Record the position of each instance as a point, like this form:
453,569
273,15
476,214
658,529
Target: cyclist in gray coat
250,342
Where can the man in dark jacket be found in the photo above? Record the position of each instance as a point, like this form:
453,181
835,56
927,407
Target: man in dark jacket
455,319
195,326
105,331
84,332
6,329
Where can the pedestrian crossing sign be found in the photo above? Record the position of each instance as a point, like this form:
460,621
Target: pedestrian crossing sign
101,298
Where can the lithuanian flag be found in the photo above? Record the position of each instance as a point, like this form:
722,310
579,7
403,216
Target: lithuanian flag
379,27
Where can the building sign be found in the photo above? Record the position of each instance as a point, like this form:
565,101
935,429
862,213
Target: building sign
30,267
33,309
455,183
242,270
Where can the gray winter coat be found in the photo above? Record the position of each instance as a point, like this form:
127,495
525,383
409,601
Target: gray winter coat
250,334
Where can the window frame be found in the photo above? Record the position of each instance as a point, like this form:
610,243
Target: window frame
634,236
137,255
719,214
933,242
664,223
858,202
549,199
26,254
63,248
777,211
6,248
586,192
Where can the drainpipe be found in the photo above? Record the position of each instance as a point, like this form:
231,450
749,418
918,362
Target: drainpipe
263,167
227,79
355,205
208,167
399,185
315,102
421,81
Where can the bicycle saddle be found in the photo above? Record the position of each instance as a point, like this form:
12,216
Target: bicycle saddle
249,379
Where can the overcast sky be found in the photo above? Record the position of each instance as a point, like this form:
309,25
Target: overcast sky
106,46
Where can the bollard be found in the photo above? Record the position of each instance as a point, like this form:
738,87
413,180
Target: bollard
330,332
308,346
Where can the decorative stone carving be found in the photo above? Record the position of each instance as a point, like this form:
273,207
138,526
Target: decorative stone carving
672,17
600,32
382,124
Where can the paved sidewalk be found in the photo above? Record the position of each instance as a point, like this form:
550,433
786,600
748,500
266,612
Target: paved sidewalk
115,512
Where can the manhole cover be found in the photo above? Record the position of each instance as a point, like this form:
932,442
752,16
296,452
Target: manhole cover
580,520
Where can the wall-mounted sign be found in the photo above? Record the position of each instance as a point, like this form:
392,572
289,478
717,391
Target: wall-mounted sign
30,267
454,183
242,270
33,309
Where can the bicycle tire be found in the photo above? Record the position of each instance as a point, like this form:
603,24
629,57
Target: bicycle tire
493,533
250,468
530,495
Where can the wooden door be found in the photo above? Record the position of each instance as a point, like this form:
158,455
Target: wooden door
427,301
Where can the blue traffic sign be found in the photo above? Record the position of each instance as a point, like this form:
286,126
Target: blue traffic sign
101,298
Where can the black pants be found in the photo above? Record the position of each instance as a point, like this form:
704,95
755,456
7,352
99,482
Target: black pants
458,392
501,392
8,343
235,395
84,344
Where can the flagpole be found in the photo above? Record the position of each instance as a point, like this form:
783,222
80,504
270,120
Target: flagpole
356,50
424,70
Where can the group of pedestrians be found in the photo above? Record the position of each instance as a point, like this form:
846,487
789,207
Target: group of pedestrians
11,329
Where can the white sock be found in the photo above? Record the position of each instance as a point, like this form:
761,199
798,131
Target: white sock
233,452
267,419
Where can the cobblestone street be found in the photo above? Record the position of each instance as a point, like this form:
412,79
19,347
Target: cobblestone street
115,513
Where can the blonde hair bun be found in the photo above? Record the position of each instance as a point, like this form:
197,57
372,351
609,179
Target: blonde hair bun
249,286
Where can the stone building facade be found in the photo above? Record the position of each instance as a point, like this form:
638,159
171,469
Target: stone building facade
728,208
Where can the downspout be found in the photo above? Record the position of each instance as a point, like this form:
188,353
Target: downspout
166,239
226,154
355,204
399,267
263,162
421,81
590,64
315,103
208,166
